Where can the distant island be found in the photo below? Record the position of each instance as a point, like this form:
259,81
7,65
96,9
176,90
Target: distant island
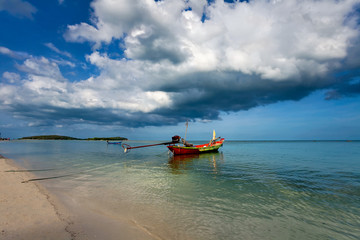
49,137
58,137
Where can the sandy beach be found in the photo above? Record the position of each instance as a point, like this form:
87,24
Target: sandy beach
29,211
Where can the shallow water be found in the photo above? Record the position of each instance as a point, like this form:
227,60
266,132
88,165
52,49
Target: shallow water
249,190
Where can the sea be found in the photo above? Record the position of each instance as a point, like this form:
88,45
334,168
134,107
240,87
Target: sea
247,190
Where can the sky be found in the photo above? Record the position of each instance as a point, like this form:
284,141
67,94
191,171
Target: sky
251,70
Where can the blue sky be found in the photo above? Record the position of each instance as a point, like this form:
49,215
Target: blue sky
252,70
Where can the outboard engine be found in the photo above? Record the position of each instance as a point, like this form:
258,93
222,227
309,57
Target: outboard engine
176,139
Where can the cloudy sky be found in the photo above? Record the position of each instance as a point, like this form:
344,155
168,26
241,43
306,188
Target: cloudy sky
260,69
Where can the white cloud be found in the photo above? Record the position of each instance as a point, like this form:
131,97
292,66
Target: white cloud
18,8
11,77
272,39
13,54
55,49
49,91
177,66
41,67
64,62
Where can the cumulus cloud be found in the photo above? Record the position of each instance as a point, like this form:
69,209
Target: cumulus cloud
95,100
18,8
41,67
11,77
191,59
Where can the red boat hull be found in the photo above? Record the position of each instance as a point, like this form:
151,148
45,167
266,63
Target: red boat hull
203,148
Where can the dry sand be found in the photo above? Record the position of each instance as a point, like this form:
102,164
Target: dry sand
29,211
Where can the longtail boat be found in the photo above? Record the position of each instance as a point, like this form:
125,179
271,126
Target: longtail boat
113,142
186,148
212,146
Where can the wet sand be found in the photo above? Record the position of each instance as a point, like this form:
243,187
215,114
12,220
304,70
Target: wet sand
29,211
26,210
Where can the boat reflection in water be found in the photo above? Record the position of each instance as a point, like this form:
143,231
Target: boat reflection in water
181,163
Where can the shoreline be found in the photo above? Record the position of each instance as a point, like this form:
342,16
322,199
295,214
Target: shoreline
28,210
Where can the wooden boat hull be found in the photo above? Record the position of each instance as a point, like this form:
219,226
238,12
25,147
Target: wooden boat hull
198,149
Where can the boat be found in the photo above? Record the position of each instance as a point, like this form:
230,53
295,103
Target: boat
212,146
176,148
113,142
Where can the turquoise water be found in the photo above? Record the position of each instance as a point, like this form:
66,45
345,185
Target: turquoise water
249,190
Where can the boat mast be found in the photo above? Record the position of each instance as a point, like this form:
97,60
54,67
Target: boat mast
187,125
